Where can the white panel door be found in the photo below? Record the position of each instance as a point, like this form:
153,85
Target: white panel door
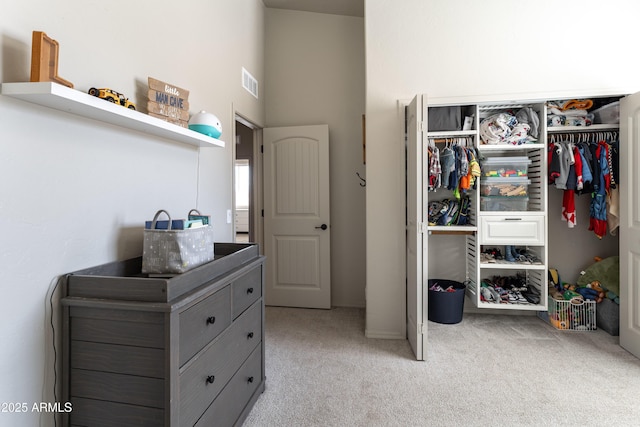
630,224
296,216
416,296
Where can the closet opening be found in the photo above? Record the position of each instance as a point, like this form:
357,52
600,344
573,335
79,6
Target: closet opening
247,182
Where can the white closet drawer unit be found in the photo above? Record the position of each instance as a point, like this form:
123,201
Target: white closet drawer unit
512,230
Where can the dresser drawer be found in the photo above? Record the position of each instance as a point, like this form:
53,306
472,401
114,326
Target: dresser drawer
226,409
512,230
246,290
95,412
207,374
204,321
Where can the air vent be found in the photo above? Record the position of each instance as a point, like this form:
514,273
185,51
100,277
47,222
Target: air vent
249,83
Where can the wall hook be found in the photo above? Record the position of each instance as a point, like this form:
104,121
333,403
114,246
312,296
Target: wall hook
364,181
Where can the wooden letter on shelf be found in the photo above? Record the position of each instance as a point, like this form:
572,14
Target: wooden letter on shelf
44,60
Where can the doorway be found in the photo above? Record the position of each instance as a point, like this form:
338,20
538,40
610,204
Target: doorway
247,182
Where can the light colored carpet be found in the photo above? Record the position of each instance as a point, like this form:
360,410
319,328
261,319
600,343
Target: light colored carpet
488,370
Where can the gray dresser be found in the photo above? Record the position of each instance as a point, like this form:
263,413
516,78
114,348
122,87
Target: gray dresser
181,351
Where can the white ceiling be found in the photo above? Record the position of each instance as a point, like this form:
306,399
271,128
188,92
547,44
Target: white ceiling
334,7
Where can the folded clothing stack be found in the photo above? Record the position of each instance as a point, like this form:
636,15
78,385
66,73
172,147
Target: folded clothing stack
511,128
573,112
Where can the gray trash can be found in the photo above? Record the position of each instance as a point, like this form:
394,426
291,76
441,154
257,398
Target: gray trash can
446,307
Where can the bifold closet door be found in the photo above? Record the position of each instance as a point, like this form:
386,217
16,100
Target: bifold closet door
630,224
416,295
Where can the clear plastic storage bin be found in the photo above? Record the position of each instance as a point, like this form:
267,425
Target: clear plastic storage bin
505,204
609,114
504,187
505,166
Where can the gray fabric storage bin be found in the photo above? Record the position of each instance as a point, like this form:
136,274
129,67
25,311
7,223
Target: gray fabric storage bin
445,119
608,317
175,251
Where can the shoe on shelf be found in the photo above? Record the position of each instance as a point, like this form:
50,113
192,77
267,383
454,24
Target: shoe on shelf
497,254
521,280
516,297
508,254
487,258
489,293
531,257
532,297
518,256
520,297
486,295
514,252
504,295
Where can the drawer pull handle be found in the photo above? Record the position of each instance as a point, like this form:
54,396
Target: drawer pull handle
250,335
249,291
513,219
211,379
250,379
211,320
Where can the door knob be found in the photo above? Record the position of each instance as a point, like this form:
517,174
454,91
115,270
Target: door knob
323,226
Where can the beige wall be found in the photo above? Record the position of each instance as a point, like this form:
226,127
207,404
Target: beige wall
458,49
74,191
314,72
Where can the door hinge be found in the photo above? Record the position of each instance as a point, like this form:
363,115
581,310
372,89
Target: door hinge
420,327
423,227
421,126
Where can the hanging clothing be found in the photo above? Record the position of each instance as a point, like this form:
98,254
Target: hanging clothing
569,208
465,178
447,165
574,182
598,208
474,167
614,162
434,168
453,176
553,161
577,167
566,160
455,167
587,176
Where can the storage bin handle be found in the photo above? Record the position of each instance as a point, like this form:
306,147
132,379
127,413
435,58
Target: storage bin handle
155,219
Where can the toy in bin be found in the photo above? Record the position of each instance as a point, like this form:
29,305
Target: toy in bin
571,307
206,123
505,166
505,187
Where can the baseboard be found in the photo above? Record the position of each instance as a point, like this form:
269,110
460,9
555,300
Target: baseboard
383,335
